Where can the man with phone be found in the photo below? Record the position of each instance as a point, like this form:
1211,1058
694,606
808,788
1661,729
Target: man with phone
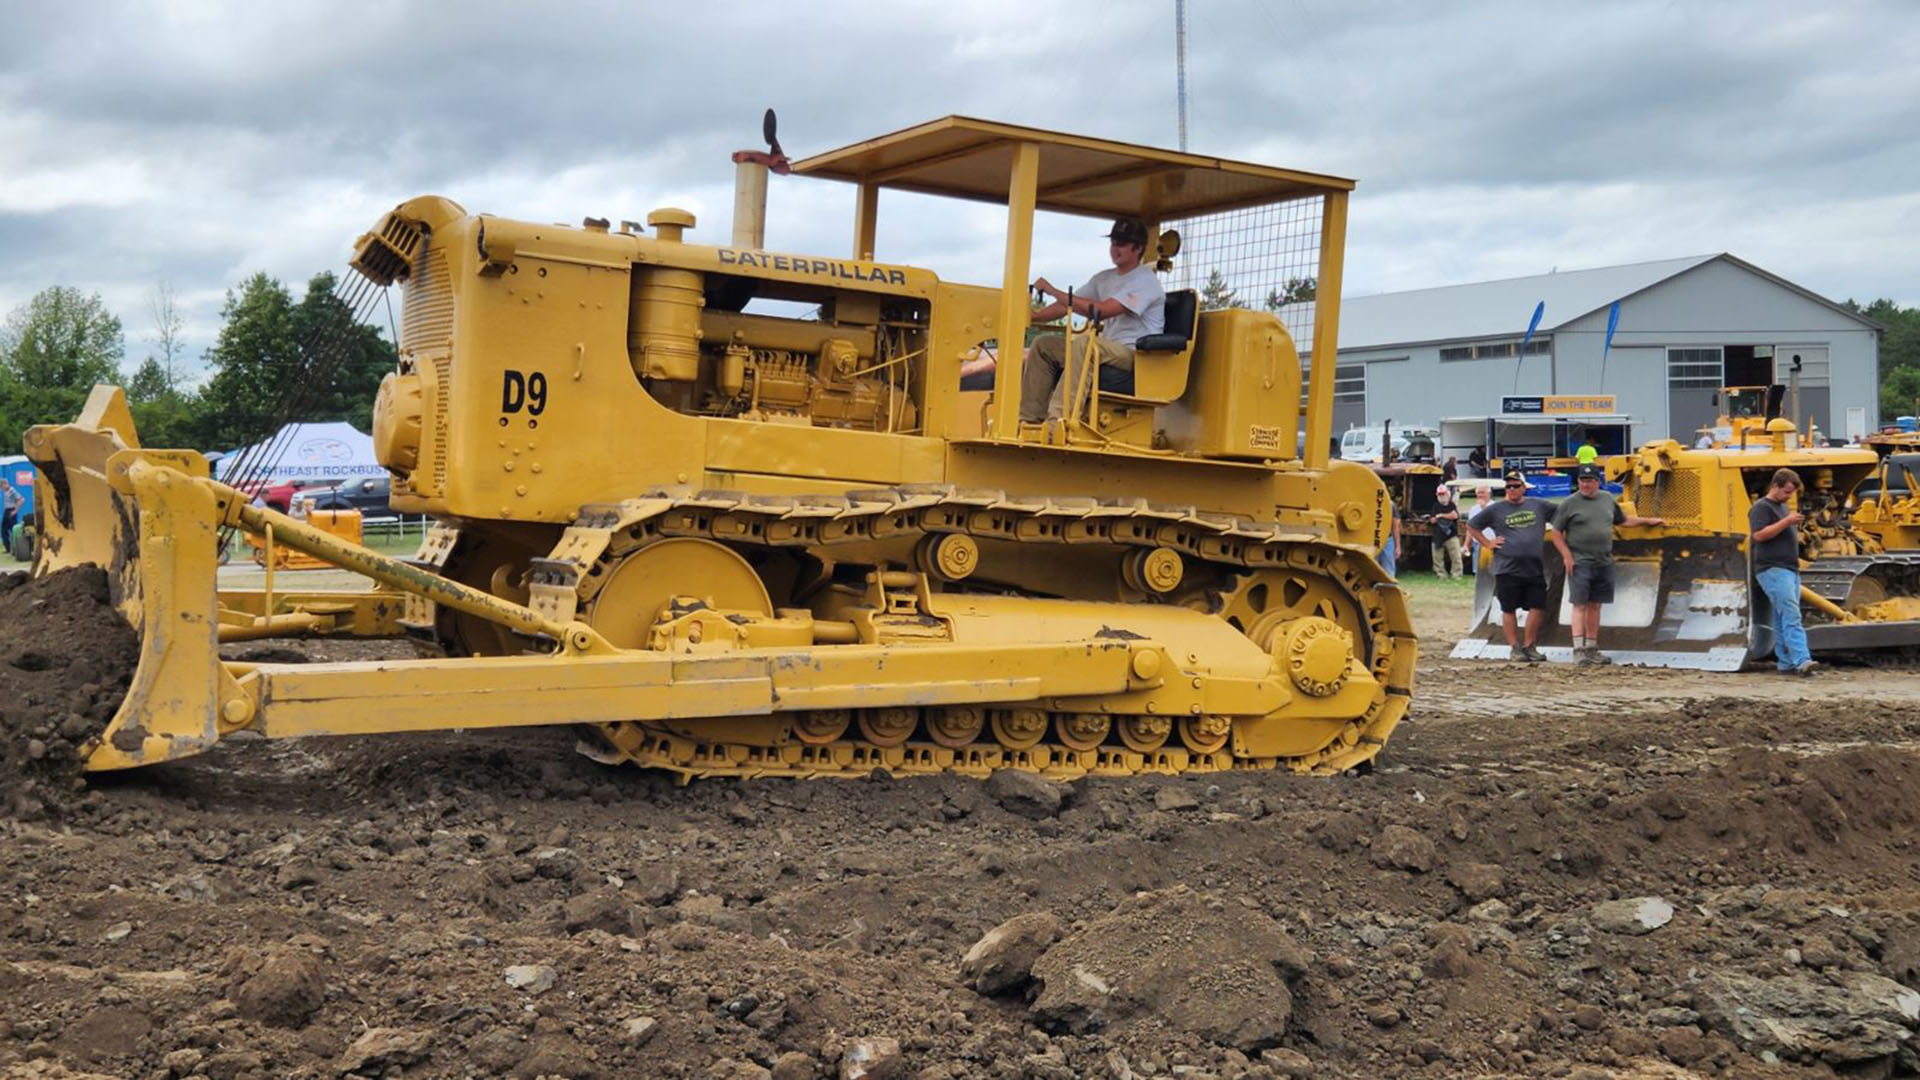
1776,567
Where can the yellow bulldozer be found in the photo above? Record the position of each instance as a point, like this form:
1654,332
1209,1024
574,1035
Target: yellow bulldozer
1684,595
727,511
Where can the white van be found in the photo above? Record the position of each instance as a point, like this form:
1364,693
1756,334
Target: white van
1363,443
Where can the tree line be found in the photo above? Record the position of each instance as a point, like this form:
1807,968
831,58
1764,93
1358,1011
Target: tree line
1899,356
273,353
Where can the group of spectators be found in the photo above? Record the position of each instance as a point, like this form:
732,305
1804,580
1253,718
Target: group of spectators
1517,530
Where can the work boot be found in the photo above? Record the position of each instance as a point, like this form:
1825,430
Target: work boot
1532,655
1807,668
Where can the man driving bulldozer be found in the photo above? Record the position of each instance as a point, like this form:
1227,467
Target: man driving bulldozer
1128,301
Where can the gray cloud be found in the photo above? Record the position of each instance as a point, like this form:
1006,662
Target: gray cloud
199,142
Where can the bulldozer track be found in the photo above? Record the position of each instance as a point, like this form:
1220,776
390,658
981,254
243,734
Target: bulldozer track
564,584
1833,576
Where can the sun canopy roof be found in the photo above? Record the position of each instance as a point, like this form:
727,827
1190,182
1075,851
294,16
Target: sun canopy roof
965,158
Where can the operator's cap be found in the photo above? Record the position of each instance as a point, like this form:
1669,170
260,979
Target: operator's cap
1518,478
1587,471
1128,230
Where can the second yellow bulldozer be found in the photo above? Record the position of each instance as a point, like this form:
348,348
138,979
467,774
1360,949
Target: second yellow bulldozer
1684,595
727,511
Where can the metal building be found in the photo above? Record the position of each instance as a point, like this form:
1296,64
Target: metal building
1684,328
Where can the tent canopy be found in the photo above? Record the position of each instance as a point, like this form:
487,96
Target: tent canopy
305,453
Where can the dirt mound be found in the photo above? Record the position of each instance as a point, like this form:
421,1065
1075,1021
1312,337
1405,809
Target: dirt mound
66,657
1687,877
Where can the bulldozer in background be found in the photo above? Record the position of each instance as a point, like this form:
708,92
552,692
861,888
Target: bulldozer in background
1684,592
730,542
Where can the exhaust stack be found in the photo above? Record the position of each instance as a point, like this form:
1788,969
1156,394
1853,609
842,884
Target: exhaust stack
750,187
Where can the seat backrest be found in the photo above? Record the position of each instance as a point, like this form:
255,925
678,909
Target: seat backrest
1181,307
1160,360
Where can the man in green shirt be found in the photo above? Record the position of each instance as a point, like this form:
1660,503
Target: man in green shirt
1583,531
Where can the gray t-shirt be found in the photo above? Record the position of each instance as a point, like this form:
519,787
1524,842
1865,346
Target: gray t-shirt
1139,292
1588,523
1783,551
1522,529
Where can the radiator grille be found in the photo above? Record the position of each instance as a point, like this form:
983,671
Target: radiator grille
426,303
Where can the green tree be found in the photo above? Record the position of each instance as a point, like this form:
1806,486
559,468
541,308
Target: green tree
277,361
255,360
1298,290
1215,294
1899,355
356,355
62,338
53,348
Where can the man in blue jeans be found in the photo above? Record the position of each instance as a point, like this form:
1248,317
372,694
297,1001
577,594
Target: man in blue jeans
1776,566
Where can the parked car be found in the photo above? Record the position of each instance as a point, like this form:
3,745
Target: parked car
367,495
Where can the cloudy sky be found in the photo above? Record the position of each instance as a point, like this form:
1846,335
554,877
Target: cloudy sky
195,142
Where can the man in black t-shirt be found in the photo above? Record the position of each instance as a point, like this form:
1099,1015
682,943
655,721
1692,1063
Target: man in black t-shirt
1776,567
1446,534
1515,530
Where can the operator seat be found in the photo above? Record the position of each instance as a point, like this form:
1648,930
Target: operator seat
1160,361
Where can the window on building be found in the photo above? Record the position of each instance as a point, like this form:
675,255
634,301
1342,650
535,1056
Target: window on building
1350,384
1496,350
1694,369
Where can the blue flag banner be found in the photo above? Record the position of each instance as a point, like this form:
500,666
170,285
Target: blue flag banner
1613,323
1520,356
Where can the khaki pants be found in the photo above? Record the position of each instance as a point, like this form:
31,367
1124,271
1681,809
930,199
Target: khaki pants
1043,391
1446,557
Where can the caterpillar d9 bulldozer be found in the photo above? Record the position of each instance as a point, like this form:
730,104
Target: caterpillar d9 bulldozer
728,512
1684,595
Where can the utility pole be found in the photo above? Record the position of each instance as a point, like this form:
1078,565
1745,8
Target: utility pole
1180,64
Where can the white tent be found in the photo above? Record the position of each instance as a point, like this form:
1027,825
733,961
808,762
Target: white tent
306,453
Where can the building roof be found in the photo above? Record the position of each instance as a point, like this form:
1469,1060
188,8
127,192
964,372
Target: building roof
1493,309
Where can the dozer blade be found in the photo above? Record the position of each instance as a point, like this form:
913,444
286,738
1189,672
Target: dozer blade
1679,602
82,520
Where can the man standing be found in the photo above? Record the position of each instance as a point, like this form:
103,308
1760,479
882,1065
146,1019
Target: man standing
1583,531
1129,301
10,503
1446,534
1589,453
1776,566
1515,529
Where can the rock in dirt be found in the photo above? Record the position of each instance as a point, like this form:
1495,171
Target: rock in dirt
1026,794
1478,881
1401,848
1291,1064
1633,916
873,1059
381,1048
1175,797
602,909
794,1065
282,987
1852,1018
1176,957
637,1030
532,978
558,863
1002,960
